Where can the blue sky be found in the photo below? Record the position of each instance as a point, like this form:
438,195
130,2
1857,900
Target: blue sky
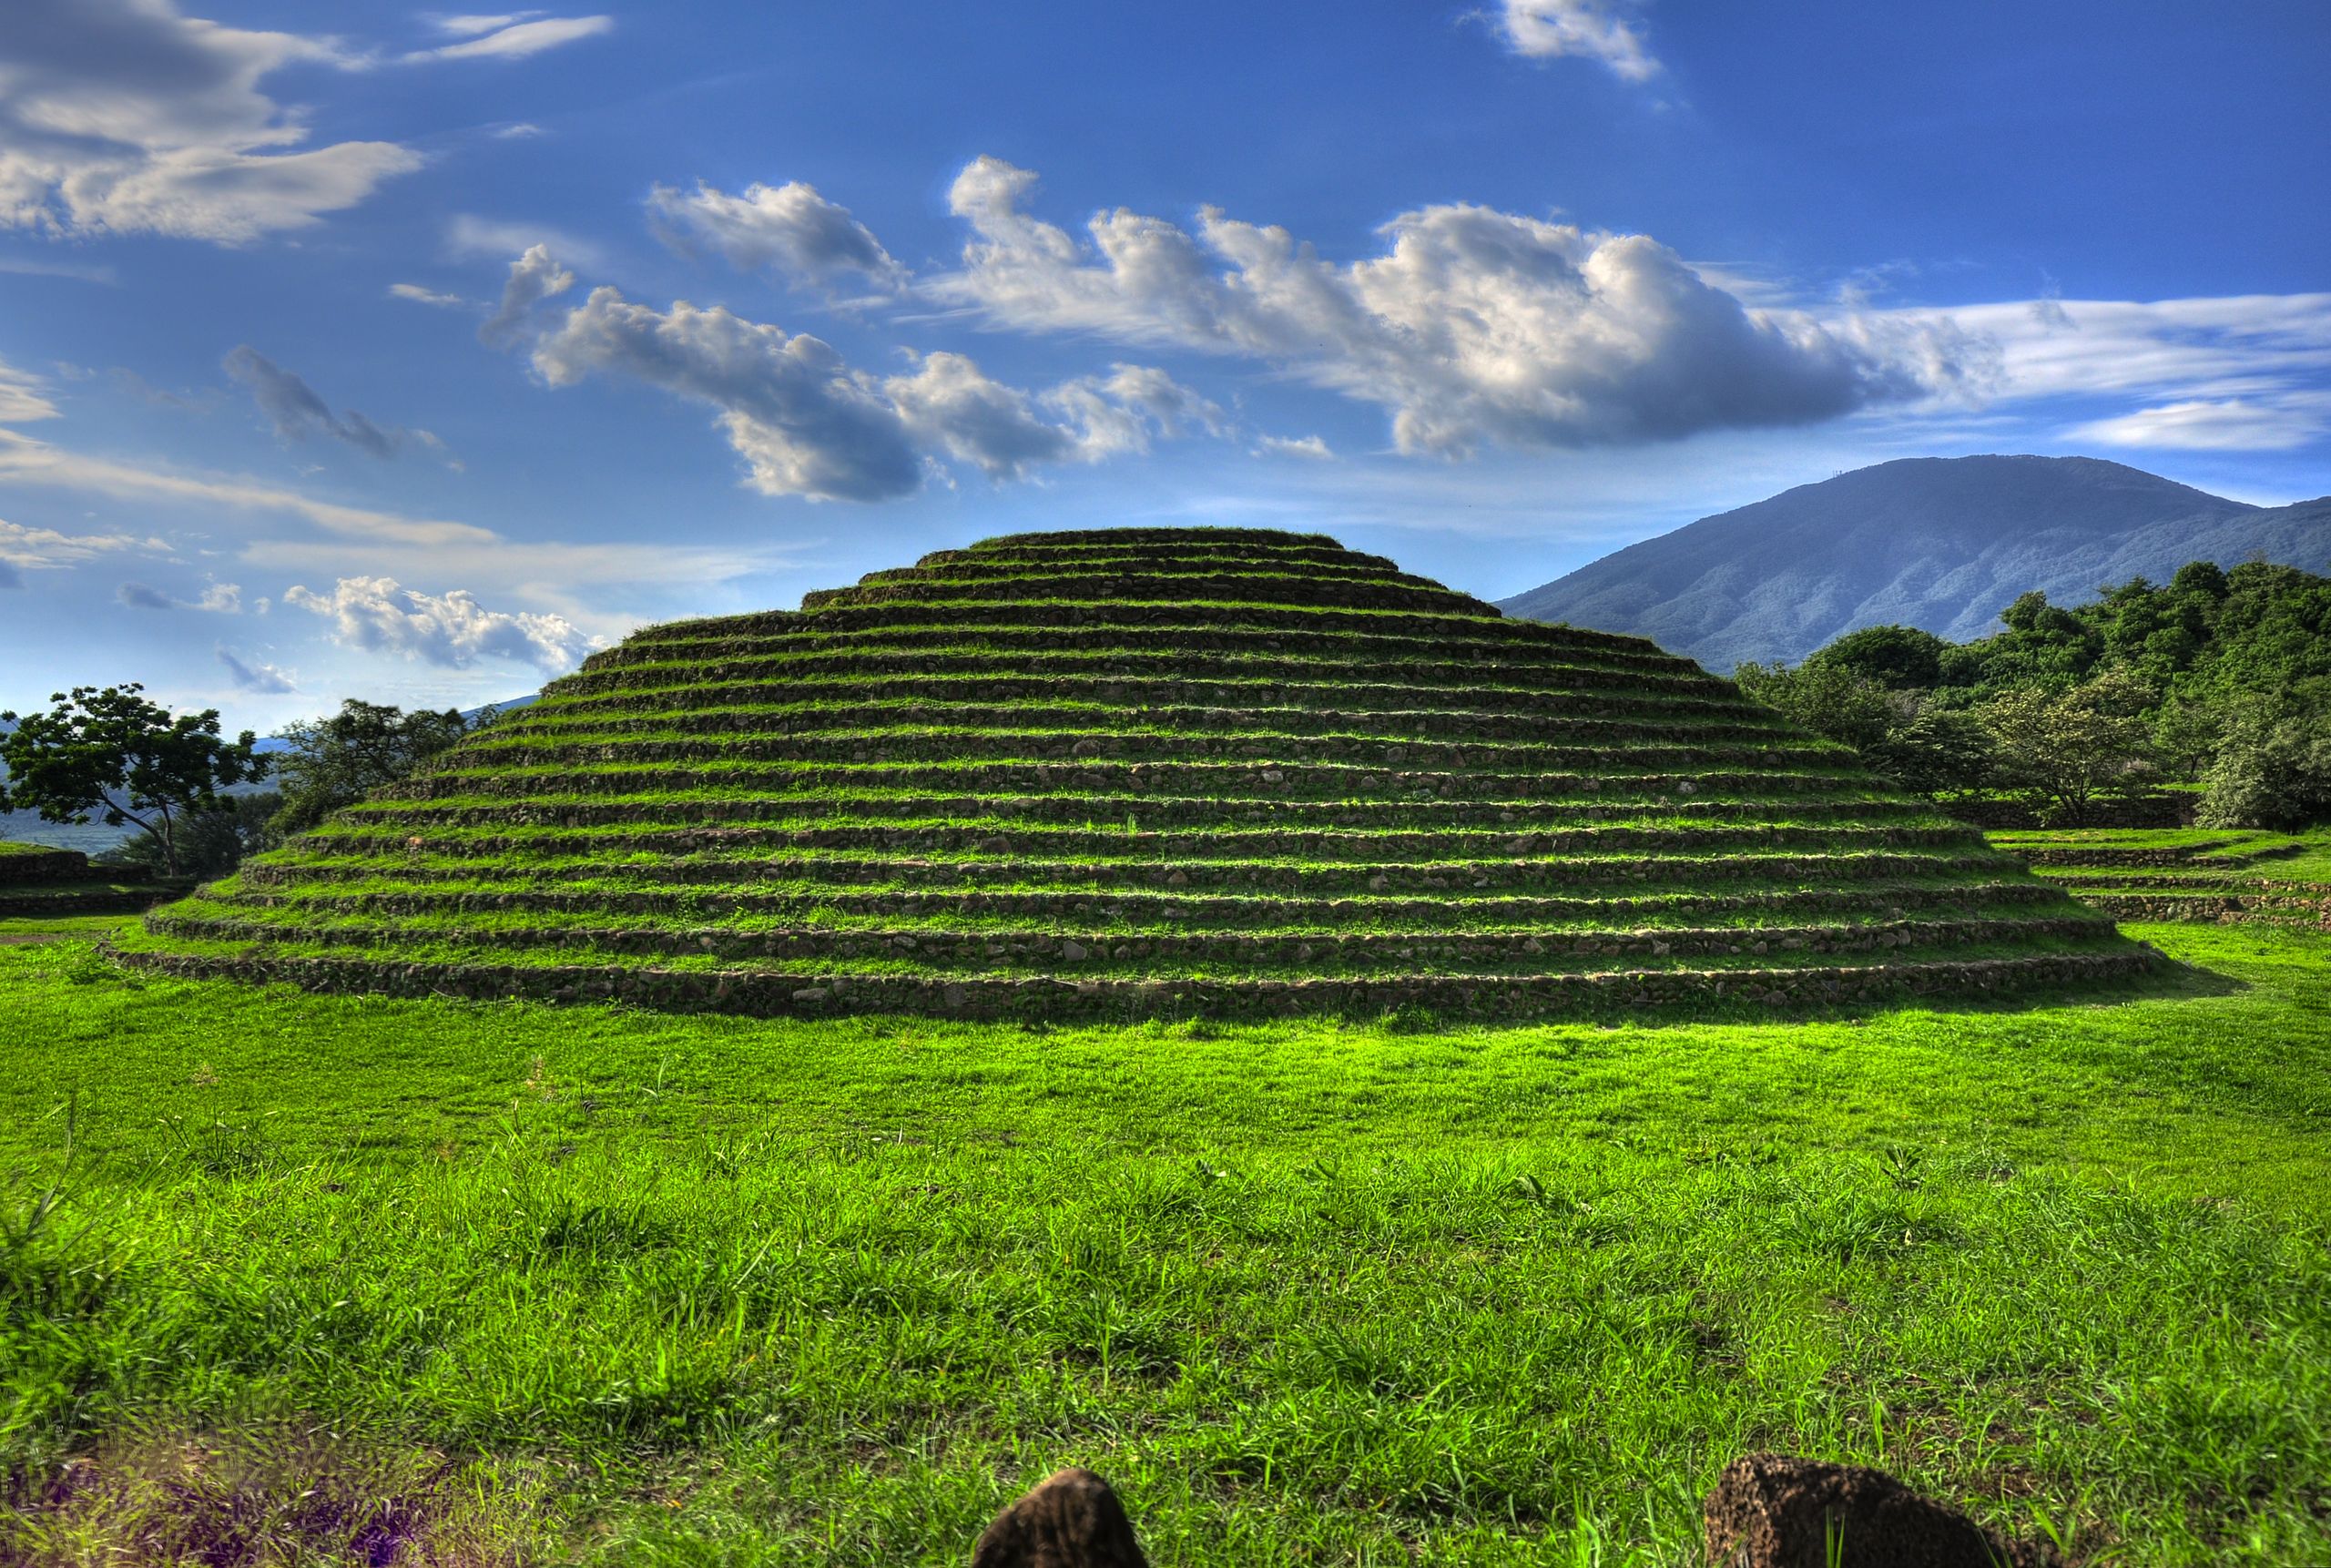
367,350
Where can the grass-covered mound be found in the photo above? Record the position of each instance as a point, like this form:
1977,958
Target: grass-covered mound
1235,772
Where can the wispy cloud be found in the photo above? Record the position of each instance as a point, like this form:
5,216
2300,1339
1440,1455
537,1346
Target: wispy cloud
218,599
296,413
1599,30
1311,446
469,238
360,540
251,676
422,296
2224,425
23,549
513,37
24,461
24,397
37,266
534,278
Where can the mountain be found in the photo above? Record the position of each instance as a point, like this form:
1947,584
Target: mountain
507,704
1941,543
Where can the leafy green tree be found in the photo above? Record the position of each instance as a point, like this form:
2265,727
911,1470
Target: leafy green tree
338,760
1828,699
109,753
1900,659
2201,580
209,844
2044,644
1936,751
2210,647
2273,765
2063,750
1900,734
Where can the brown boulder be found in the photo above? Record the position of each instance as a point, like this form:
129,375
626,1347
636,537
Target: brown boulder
1776,1511
1072,1521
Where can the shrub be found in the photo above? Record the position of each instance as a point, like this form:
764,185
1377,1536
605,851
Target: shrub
211,843
2270,773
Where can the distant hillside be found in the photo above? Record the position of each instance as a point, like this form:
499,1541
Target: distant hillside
1939,543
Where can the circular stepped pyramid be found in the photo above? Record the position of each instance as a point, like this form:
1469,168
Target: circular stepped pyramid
1183,771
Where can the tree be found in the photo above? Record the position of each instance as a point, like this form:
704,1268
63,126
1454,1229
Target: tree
2200,579
1900,733
211,843
111,754
1827,699
338,760
2064,748
1900,659
1936,751
2273,769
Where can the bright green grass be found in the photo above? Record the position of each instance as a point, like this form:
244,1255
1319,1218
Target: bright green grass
672,1289
66,925
2244,855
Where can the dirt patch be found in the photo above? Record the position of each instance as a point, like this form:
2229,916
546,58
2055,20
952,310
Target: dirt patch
281,1494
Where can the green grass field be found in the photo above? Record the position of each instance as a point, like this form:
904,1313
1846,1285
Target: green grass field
325,1277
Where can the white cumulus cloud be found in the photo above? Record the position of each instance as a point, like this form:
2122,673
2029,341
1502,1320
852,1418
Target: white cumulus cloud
1589,29
803,421
950,405
123,117
1474,327
807,423
1117,414
534,278
789,229
451,630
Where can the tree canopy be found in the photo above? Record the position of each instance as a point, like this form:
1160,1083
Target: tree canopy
2220,677
336,761
107,752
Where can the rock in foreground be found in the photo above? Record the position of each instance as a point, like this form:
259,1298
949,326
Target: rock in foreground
1776,1511
1072,1521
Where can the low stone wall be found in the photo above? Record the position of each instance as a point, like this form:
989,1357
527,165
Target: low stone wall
1058,999
95,901
2221,909
2164,808
37,867
2189,855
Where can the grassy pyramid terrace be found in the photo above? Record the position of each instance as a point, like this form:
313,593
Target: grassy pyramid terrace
1217,772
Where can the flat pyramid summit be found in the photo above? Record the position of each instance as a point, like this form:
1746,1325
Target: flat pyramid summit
1227,772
